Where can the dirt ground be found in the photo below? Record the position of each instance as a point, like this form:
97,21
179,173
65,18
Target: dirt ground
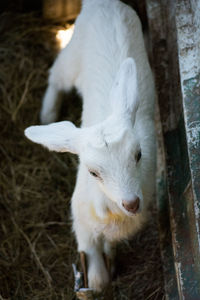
37,246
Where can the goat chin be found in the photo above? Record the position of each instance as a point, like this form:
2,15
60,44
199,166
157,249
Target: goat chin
107,62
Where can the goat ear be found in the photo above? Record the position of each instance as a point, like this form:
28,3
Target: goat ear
124,93
60,136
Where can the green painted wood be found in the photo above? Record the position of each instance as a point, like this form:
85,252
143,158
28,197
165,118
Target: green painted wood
182,236
191,100
188,40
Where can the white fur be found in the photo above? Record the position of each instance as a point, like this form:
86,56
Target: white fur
107,62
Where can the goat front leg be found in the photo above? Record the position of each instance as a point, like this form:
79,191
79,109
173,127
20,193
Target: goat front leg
97,273
98,276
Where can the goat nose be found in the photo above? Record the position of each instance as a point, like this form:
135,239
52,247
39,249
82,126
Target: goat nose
132,206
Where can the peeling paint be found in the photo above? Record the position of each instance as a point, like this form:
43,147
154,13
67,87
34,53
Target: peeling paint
194,134
197,215
188,31
181,281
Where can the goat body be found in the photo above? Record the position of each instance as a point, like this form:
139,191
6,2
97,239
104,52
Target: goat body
107,62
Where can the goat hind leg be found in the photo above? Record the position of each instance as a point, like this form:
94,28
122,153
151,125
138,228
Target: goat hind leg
62,78
50,105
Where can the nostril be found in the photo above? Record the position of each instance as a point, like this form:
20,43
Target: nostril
131,206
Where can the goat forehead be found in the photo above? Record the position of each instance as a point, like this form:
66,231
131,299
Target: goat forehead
121,157
111,154
114,137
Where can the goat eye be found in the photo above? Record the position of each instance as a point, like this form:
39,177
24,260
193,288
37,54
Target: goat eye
138,156
94,174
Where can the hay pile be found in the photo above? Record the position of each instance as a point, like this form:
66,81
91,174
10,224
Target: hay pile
37,247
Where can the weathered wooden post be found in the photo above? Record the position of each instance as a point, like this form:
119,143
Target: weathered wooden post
175,36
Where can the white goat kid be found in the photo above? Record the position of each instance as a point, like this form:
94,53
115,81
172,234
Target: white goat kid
107,62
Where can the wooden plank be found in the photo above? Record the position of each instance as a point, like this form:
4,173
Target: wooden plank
188,40
176,24
182,241
157,32
188,33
